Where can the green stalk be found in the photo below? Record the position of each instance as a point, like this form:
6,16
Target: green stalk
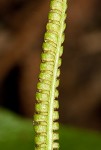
47,105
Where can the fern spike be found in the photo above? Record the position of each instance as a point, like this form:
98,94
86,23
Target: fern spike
46,116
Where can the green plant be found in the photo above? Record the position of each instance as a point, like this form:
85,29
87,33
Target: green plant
47,104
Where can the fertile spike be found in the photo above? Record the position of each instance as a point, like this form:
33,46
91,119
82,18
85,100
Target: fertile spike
46,124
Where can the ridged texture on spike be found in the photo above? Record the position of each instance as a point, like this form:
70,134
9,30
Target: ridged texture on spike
45,119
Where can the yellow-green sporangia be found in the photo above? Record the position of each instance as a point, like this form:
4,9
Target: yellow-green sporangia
46,116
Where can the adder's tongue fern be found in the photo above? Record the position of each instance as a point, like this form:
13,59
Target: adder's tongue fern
46,116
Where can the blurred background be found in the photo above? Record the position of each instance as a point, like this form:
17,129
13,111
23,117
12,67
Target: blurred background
22,27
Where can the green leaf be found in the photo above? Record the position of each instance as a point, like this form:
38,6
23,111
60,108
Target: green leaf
16,133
